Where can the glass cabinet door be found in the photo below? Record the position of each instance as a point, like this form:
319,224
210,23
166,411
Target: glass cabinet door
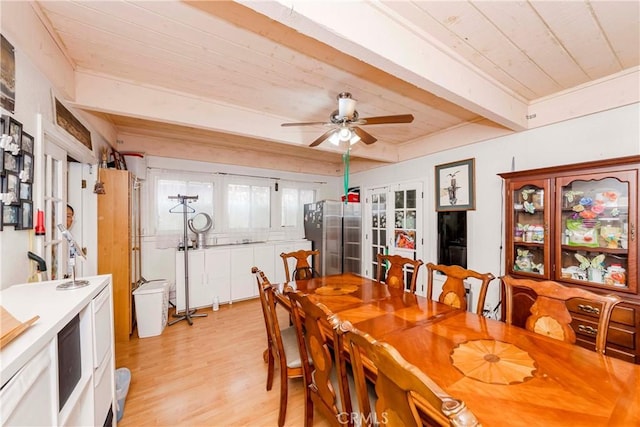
595,229
530,228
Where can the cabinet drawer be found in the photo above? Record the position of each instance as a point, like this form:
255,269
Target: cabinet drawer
586,328
610,351
621,313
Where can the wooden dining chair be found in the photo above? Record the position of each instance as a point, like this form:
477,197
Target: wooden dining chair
400,387
393,275
453,291
328,373
549,313
303,269
282,345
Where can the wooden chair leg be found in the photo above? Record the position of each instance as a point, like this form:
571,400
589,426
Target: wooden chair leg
284,382
270,368
308,408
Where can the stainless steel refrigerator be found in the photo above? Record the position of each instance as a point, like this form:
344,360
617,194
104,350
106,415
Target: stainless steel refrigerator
334,228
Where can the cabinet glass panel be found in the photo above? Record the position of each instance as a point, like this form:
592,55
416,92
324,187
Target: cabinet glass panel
595,232
529,230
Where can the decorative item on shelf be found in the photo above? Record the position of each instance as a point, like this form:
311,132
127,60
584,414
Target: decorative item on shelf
583,226
594,267
524,260
615,276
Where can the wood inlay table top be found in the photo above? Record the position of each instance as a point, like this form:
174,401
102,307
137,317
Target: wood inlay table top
537,381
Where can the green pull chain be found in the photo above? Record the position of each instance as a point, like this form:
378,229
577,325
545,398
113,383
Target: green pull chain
345,160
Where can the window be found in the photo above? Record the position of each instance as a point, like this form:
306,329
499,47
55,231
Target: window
167,211
292,205
248,206
452,238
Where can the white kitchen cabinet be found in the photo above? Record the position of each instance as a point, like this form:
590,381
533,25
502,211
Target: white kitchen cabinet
218,272
209,276
264,257
225,271
29,363
199,294
243,282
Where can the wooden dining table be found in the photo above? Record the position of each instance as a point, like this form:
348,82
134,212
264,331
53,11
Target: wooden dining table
506,375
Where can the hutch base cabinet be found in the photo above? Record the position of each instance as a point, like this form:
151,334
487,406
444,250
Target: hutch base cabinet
578,225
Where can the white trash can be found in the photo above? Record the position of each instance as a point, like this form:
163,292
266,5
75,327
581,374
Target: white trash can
152,307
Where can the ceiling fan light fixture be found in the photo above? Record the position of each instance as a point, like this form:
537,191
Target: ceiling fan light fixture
354,139
335,139
346,107
345,134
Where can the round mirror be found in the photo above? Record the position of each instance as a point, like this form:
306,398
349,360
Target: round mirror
200,223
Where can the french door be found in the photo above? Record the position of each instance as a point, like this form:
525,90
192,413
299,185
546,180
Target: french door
55,196
393,225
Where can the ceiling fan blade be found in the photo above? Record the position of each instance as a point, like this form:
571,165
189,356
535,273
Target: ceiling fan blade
305,124
364,136
324,136
378,120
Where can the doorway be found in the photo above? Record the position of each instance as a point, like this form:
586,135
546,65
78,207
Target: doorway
393,225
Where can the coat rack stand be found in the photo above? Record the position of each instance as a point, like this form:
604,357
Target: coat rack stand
188,312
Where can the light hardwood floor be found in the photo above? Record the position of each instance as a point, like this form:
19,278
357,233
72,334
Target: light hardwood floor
208,374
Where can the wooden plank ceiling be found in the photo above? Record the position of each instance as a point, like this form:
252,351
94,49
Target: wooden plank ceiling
214,80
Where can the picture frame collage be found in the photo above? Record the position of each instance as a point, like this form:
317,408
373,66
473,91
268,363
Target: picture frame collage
16,175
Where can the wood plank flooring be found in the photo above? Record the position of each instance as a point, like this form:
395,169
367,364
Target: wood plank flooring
208,374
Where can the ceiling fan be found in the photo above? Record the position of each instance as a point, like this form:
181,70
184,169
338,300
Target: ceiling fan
345,123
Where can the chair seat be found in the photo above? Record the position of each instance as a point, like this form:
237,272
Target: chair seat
290,344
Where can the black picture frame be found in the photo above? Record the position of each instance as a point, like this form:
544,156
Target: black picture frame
2,132
26,166
10,214
8,69
26,191
26,144
25,215
455,186
14,128
11,163
118,160
11,184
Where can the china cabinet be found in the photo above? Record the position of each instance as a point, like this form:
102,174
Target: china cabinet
577,225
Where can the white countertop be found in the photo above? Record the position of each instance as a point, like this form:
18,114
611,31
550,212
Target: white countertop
55,308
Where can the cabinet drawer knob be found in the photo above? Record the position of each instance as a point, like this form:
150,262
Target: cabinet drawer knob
588,329
588,309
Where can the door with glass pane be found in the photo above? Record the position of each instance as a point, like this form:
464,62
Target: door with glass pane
55,187
394,224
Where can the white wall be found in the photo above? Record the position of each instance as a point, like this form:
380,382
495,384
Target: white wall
33,96
613,133
158,261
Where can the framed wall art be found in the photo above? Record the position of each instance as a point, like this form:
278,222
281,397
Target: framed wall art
7,75
2,121
25,218
14,128
26,191
67,121
12,186
10,215
10,162
455,186
26,168
27,143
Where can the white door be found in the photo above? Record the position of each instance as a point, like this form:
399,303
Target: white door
55,208
393,225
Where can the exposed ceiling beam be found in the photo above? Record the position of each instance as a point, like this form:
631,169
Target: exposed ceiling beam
402,50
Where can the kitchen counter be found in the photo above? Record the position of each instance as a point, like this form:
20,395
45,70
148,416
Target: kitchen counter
55,308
